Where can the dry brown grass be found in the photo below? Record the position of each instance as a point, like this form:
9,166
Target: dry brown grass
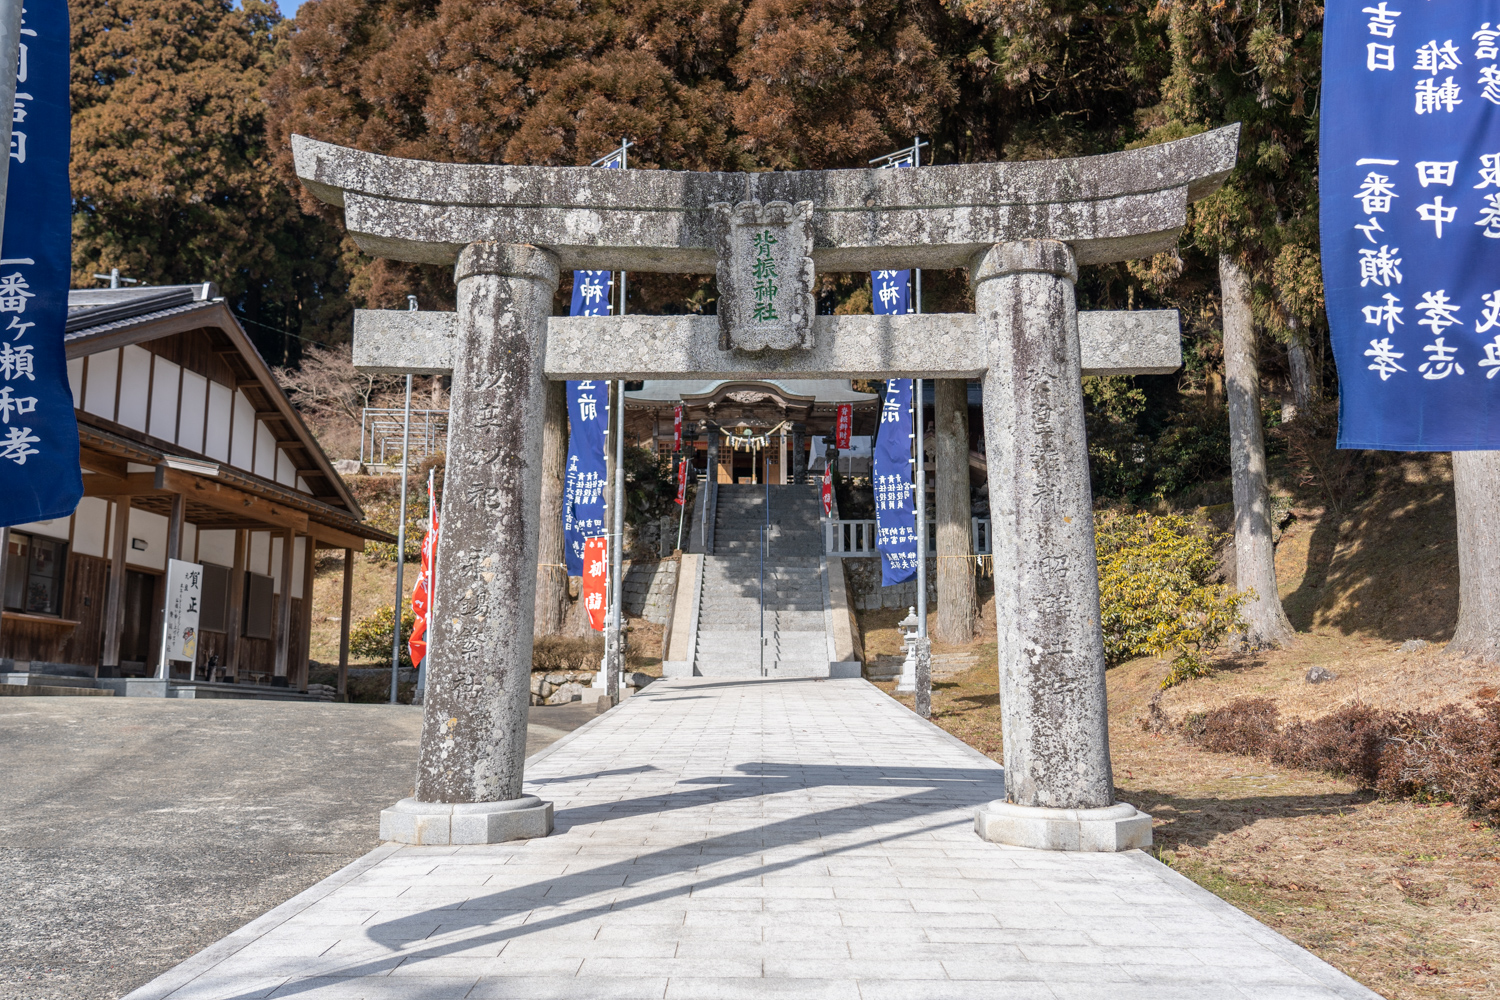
1401,896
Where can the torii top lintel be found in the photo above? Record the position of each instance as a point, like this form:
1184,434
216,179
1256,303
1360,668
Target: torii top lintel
1118,206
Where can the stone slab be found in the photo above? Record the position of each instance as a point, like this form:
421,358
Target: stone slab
438,824
937,345
1118,206
757,839
1120,827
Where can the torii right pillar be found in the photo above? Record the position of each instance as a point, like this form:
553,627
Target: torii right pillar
1059,785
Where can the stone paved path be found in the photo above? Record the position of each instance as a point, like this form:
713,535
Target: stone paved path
715,840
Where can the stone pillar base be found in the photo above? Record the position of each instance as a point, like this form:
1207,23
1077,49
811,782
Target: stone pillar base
436,824
1120,827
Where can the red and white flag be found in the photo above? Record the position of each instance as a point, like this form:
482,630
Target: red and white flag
421,594
677,430
682,467
828,490
844,426
595,573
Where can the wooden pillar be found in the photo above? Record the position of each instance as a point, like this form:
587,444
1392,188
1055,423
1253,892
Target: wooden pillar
233,621
174,526
344,621
304,649
284,610
4,553
114,598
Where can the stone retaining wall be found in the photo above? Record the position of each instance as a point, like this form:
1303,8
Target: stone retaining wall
650,588
867,593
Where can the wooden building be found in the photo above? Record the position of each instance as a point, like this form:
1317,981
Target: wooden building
190,450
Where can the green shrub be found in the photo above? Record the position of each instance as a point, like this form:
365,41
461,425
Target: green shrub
370,638
1154,592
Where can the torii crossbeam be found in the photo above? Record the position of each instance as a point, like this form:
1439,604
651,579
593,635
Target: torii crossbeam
1021,229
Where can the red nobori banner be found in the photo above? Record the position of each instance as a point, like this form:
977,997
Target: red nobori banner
828,491
677,430
844,426
682,478
595,574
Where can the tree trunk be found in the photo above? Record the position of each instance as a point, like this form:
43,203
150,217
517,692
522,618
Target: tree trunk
1300,366
551,573
1476,487
957,611
1266,624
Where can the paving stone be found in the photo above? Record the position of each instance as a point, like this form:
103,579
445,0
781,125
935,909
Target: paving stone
720,840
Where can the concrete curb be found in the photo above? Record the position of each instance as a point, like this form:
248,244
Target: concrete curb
226,947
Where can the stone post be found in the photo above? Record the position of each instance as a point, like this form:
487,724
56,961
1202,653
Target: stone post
479,666
799,454
1054,716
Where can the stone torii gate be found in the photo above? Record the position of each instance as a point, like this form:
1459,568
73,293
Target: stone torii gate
1021,230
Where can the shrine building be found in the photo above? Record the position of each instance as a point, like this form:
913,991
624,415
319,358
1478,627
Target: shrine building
190,450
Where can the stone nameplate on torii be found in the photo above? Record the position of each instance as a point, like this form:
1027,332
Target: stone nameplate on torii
1020,229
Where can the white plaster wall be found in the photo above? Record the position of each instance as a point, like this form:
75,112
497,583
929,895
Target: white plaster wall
135,387
194,405
100,397
286,470
265,451
216,439
56,527
216,547
91,525
241,453
258,559
164,399
152,528
75,380
189,542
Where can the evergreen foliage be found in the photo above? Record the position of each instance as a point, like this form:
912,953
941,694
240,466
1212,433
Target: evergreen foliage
1155,593
171,168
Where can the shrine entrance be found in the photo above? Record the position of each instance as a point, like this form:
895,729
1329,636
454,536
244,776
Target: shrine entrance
1021,230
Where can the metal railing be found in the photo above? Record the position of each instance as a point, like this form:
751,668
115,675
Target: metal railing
853,539
381,430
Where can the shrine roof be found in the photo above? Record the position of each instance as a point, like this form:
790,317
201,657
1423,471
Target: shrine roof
821,391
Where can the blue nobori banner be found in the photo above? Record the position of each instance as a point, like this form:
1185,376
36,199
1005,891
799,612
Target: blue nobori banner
583,488
1410,211
895,510
39,473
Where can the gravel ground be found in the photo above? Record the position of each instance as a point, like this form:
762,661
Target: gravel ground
135,832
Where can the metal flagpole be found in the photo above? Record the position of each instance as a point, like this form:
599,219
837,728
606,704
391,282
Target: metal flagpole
924,661
916,161
400,547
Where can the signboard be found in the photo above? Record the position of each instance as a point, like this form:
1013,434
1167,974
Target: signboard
1410,213
844,426
595,576
184,604
39,474
895,513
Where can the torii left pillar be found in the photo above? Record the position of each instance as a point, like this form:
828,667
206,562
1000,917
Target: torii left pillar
479,676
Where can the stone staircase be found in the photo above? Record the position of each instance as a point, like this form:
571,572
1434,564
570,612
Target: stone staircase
728,641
